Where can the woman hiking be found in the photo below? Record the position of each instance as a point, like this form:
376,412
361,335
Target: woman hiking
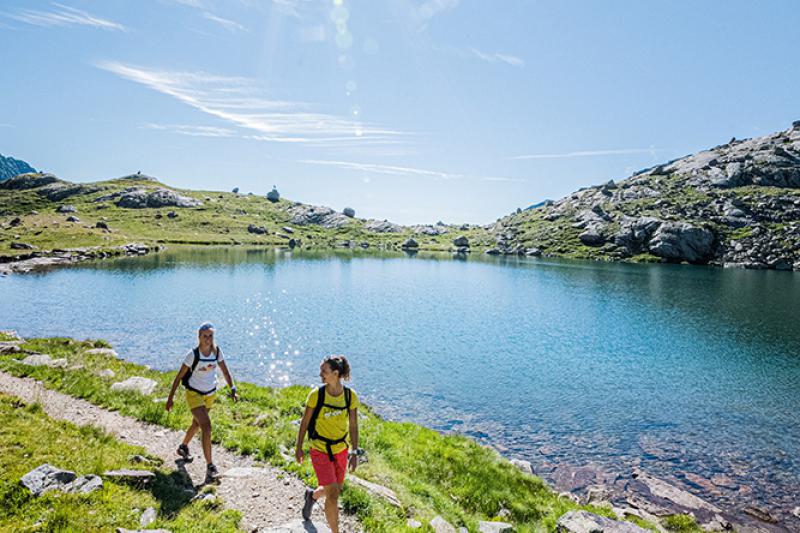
331,413
198,373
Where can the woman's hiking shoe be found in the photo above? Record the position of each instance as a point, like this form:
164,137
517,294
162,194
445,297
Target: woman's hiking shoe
308,505
183,451
211,472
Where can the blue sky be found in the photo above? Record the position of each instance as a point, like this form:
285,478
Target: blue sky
411,110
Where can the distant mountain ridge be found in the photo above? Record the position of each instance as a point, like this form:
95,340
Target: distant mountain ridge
10,167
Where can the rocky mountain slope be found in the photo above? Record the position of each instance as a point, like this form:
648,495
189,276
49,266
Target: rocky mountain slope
737,204
10,167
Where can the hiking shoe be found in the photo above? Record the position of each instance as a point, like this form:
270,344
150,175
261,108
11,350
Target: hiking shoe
183,451
211,473
309,504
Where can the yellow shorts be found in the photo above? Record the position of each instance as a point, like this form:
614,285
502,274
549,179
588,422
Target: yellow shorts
195,399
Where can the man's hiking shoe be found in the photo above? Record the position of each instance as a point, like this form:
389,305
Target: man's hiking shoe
183,451
308,505
211,473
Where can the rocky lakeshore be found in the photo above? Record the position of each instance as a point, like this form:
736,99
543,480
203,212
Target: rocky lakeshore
43,260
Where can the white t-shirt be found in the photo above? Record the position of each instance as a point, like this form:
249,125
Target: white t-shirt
204,377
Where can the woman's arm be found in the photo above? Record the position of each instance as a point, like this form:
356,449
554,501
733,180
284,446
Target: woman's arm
229,379
175,383
353,459
301,434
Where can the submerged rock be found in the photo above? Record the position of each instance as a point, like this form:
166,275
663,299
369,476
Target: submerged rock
586,522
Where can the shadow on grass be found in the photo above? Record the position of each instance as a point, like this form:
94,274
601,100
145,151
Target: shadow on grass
174,490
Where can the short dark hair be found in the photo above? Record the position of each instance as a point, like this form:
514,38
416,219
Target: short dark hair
340,364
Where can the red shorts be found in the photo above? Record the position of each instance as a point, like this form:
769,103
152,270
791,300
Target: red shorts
329,472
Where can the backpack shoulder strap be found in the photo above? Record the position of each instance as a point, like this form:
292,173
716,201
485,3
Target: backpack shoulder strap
347,396
312,425
196,358
217,354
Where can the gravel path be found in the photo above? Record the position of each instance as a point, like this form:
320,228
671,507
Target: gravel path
269,499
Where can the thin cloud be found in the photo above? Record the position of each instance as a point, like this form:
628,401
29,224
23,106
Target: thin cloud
590,153
193,131
228,24
64,16
238,101
392,170
6,125
498,58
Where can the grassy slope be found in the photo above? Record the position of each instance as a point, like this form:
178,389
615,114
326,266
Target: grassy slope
29,438
222,220
431,473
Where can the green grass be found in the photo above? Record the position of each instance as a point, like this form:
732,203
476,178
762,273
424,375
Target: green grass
29,438
681,523
5,337
432,474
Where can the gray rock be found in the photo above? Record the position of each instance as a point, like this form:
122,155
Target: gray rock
106,373
103,351
288,230
382,226
137,478
413,524
148,517
123,530
66,209
494,527
73,219
45,478
144,386
304,215
586,522
461,241
682,241
297,526
409,244
172,214
523,465
101,224
493,251
273,195
593,235
39,359
533,252
440,525
349,212
258,230
142,198
85,484
635,232
15,245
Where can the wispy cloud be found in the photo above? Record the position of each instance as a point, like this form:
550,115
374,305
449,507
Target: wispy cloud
64,16
590,153
496,57
194,131
392,170
3,125
228,24
240,102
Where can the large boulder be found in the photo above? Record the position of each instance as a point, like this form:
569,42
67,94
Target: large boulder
141,198
27,181
273,195
258,230
681,241
586,522
460,241
635,232
304,215
409,244
349,212
382,226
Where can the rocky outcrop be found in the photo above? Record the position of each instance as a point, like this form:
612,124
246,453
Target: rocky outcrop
586,522
737,204
10,167
137,198
27,181
382,226
47,478
304,215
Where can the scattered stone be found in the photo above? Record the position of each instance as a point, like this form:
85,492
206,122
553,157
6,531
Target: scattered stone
144,386
66,209
494,527
349,212
288,230
377,490
16,245
40,359
523,465
16,221
148,517
141,459
101,224
413,524
440,525
45,478
85,484
586,522
796,510
103,351
172,214
273,195
73,219
243,472
409,244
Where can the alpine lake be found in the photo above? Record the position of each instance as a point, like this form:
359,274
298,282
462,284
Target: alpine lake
690,373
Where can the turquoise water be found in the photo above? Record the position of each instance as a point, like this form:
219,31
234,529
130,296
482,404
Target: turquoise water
679,369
